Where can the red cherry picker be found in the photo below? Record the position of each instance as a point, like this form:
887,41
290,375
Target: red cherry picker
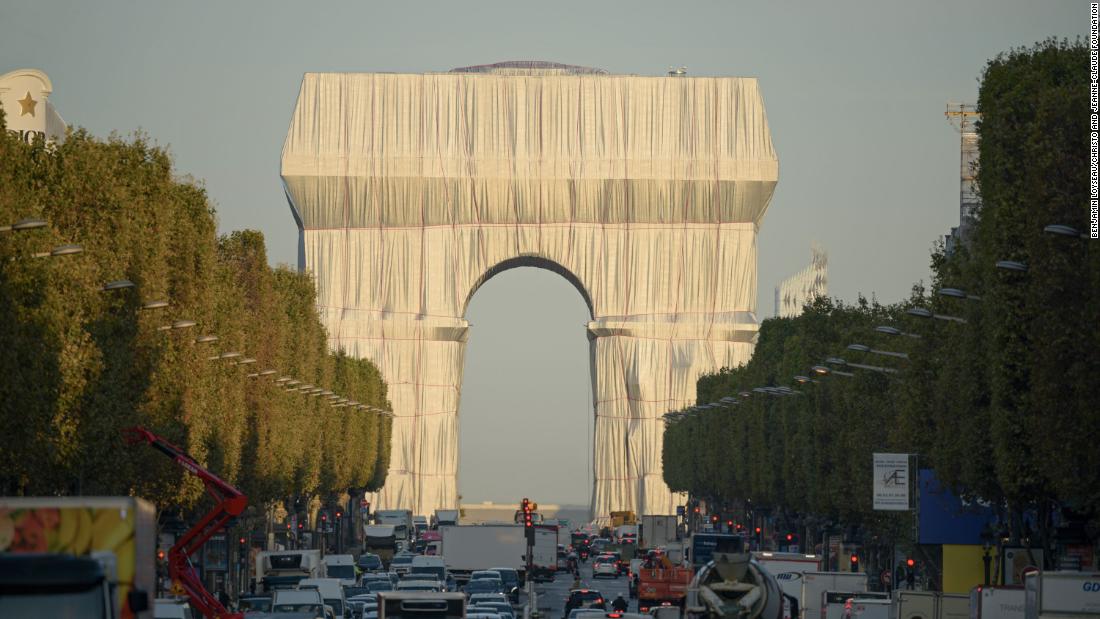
230,503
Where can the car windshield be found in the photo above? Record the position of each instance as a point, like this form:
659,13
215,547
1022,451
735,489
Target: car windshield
297,608
380,585
587,596
370,562
343,572
402,560
262,604
483,585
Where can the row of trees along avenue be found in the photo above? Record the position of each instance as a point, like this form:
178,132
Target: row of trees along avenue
78,363
1002,406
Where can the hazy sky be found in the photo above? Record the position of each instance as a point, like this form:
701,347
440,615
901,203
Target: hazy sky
855,94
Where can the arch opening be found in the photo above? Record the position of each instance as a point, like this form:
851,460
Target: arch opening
538,262
526,420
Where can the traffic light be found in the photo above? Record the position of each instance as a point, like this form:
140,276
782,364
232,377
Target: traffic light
758,530
301,525
790,537
854,562
161,555
339,514
739,527
714,518
528,522
243,543
324,517
909,562
696,509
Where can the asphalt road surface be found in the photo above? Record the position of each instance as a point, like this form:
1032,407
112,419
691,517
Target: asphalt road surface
552,596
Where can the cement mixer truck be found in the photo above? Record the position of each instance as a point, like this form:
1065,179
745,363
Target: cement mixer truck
733,586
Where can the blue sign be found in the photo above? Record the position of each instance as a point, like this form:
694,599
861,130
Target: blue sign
945,518
680,510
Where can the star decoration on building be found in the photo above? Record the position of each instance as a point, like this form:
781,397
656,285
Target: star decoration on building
27,104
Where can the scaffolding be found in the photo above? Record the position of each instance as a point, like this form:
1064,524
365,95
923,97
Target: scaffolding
963,117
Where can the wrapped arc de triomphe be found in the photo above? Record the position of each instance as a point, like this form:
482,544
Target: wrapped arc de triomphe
646,193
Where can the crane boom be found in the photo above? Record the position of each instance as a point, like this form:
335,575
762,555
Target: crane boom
230,503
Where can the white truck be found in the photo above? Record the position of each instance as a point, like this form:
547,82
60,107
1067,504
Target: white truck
931,605
1051,595
401,519
467,548
445,518
381,539
788,568
544,555
997,602
341,567
284,569
811,599
658,531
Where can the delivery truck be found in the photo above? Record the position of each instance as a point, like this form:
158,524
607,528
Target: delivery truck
73,547
1058,595
279,570
467,548
811,599
658,531
997,602
931,605
445,518
544,554
788,568
381,539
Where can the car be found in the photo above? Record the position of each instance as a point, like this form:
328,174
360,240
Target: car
484,585
370,562
357,590
479,598
171,608
376,586
501,608
300,601
604,567
332,592
584,598
599,544
402,563
480,574
509,577
421,585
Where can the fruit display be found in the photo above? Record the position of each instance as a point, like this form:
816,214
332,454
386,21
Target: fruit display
78,526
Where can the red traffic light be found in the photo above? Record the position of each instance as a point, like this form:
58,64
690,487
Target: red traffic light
241,541
910,562
854,560
160,555
790,537
300,526
714,518
338,514
696,510
288,526
324,517
758,530
729,523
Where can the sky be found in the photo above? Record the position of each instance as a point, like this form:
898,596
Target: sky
854,91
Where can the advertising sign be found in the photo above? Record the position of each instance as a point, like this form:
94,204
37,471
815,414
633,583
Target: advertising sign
891,482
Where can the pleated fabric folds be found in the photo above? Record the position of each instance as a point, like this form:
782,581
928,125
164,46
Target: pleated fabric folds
645,192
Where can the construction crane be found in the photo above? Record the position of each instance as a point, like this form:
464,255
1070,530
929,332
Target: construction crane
230,503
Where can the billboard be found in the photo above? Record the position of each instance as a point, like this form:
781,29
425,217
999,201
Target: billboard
891,485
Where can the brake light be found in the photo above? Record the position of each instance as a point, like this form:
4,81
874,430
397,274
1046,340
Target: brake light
614,615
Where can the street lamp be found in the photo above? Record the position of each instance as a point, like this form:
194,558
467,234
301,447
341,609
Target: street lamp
183,324
268,373
920,312
119,284
958,294
885,353
60,250
1063,230
150,305
206,339
29,223
1011,265
894,331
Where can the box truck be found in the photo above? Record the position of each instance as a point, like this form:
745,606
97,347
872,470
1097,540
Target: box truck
811,598
997,602
658,531
1054,595
467,548
932,605
788,568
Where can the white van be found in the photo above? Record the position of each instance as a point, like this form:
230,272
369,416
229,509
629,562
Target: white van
332,592
341,567
295,601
